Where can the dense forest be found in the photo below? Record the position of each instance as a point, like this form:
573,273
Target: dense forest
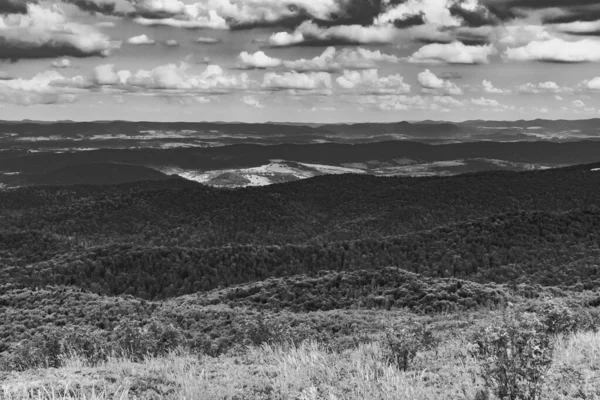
167,238
210,261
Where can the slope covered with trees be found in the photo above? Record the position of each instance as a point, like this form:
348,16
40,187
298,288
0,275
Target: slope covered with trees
157,240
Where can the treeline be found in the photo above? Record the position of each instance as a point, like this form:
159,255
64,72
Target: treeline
552,249
318,210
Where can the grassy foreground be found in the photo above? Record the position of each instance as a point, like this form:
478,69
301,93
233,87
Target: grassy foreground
306,372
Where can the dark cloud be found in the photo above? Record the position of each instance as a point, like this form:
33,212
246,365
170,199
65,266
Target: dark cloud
572,10
452,34
95,8
476,18
355,12
13,6
574,14
412,20
286,23
14,51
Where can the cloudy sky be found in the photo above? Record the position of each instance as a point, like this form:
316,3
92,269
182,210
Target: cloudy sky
299,60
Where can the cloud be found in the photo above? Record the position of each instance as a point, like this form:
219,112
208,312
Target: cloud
521,35
332,60
453,53
578,103
211,21
245,14
409,21
311,34
13,7
95,6
252,102
432,11
172,43
431,83
49,87
258,60
448,101
579,27
488,87
297,81
391,102
484,102
170,77
369,81
557,50
593,84
473,14
61,63
541,87
141,40
207,40
47,33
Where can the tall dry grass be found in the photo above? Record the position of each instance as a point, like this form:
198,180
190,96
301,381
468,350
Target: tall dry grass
307,372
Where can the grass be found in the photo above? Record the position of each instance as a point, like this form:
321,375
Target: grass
306,372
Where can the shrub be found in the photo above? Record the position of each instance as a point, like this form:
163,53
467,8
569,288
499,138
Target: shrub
138,341
50,348
514,356
402,345
560,318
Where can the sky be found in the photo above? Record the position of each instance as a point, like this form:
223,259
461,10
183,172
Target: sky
299,60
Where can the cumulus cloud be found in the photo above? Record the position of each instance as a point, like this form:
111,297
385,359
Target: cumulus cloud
170,77
49,87
332,60
312,34
252,102
448,101
61,63
396,102
488,87
172,43
47,33
141,40
557,50
578,103
369,81
258,60
207,40
579,27
297,81
484,102
541,87
432,11
453,53
432,83
242,14
592,84
521,35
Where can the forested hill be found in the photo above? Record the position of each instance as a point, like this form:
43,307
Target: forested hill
167,238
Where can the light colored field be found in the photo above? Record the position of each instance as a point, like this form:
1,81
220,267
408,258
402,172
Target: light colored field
309,372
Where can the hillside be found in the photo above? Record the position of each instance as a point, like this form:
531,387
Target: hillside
92,276
97,174
159,243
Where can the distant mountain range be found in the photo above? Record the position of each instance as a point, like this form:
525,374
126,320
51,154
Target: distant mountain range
238,154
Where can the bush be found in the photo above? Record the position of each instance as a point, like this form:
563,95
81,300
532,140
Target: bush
50,348
402,345
514,356
137,341
562,319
